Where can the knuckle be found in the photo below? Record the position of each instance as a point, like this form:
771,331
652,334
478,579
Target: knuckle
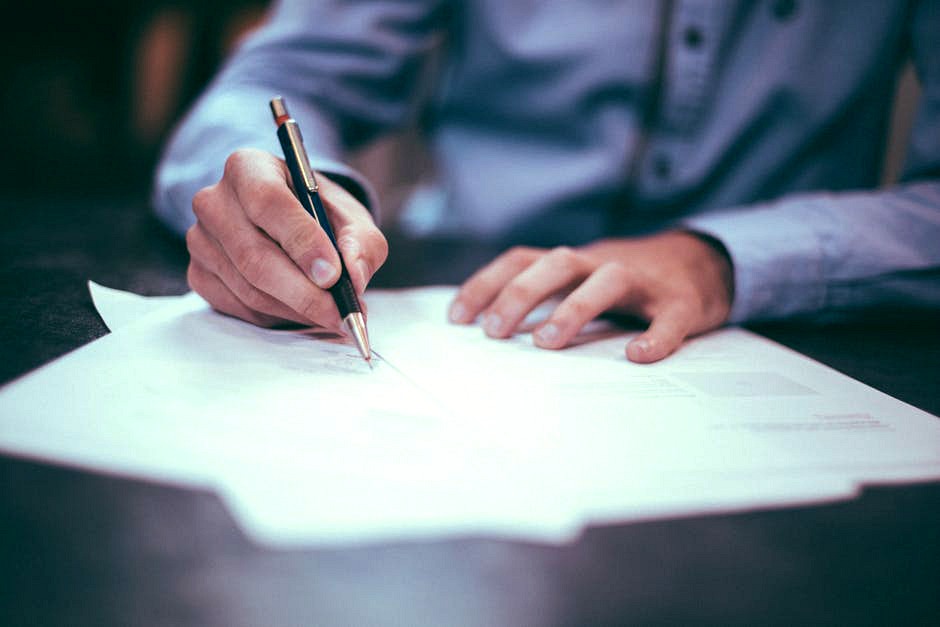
253,263
350,241
300,241
378,245
238,162
518,292
201,282
519,254
345,240
192,240
253,299
686,310
349,248
202,202
576,309
259,199
564,256
194,278
615,273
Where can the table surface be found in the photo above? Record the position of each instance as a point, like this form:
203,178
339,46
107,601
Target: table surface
81,548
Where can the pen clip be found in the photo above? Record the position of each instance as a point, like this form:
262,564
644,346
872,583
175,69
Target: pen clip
295,142
300,155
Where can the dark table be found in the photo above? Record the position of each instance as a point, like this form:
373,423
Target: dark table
79,548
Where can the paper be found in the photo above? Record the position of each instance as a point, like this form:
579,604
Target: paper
454,433
119,309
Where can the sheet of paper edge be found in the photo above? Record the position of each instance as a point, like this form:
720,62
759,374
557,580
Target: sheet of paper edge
119,308
149,307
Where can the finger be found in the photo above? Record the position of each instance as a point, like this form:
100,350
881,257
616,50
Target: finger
363,247
208,253
211,288
260,184
666,332
609,285
259,260
553,272
479,290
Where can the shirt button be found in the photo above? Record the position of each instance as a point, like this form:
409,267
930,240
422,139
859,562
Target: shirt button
783,9
692,37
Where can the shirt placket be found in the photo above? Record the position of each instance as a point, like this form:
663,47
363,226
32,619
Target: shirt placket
690,54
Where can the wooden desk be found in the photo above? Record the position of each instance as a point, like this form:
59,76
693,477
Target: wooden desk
84,549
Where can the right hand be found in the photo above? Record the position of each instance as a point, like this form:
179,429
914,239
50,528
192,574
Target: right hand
256,254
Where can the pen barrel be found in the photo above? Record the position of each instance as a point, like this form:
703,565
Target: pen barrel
342,291
308,195
314,206
344,295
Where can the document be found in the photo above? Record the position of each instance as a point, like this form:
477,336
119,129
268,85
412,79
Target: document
119,309
454,434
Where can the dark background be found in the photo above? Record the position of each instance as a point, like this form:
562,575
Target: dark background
90,89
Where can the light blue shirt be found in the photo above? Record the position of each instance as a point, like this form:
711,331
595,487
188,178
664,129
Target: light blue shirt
759,123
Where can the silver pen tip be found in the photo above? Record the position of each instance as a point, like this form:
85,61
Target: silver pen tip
357,328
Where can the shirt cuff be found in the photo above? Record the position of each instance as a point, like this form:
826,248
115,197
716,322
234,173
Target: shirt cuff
777,261
196,156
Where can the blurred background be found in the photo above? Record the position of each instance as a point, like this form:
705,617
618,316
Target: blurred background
91,91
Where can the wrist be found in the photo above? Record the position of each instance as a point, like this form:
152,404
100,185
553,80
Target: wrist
714,256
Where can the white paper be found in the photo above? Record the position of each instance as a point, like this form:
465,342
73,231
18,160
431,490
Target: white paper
119,308
454,433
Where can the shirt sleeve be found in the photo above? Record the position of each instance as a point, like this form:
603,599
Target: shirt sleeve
831,252
347,70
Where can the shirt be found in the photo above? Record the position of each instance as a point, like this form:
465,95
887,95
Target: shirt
759,123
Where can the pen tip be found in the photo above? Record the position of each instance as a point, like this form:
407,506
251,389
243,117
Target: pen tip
356,325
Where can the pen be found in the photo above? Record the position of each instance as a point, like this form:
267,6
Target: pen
307,191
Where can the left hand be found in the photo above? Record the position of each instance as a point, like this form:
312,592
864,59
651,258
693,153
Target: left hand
677,281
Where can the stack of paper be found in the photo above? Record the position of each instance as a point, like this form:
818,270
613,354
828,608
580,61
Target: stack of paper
453,433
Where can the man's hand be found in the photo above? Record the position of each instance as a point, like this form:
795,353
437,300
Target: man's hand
677,281
256,254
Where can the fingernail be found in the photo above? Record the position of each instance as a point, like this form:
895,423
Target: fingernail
323,272
457,312
493,324
548,334
641,345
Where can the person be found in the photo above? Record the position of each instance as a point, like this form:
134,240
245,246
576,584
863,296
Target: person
693,163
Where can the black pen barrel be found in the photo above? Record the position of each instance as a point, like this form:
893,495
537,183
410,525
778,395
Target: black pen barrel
307,191
342,291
